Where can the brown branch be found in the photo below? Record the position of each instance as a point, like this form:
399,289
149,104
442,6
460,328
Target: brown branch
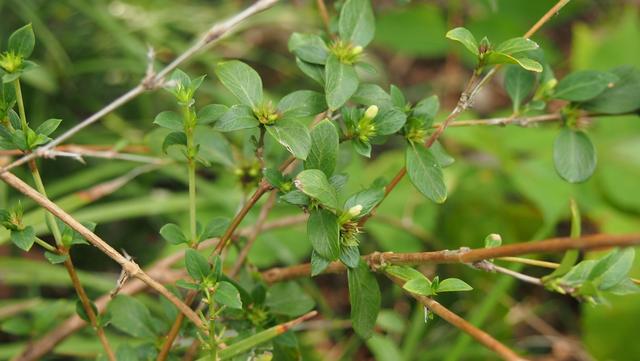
464,255
262,218
86,305
463,325
129,266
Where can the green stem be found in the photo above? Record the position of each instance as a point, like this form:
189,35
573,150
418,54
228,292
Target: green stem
191,165
46,245
23,116
213,342
50,220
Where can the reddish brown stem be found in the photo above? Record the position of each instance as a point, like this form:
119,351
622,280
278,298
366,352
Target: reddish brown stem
464,255
463,325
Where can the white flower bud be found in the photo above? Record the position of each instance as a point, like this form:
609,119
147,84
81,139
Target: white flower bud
355,210
371,112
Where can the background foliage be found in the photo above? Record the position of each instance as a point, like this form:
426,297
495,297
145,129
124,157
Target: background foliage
503,180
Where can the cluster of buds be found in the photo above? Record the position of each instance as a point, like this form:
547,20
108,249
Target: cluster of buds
266,114
12,220
349,228
11,62
346,52
366,128
248,175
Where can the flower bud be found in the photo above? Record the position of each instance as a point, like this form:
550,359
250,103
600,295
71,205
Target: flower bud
371,112
355,210
357,50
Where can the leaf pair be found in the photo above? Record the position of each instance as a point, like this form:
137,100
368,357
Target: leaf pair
333,66
13,61
508,52
282,122
174,235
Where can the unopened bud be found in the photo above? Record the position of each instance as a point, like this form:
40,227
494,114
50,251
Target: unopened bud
355,210
357,50
371,112
493,240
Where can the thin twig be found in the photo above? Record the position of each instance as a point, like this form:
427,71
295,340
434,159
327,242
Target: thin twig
465,101
151,81
324,14
257,228
490,267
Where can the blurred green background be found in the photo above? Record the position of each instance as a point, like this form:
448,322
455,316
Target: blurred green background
503,181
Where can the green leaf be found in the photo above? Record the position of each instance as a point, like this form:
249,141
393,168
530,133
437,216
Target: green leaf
288,299
55,258
323,231
226,294
173,234
578,274
427,108
453,285
420,286
170,120
242,81
341,82
583,85
626,287
215,228
131,317
362,148
318,264
367,199
236,118
398,99
350,256
357,23
48,127
314,183
440,154
516,45
372,94
295,197
518,83
494,57
613,268
389,121
22,41
211,113
309,48
302,103
313,71
574,155
175,138
293,135
197,266
364,296
425,173
24,239
619,98
404,273
465,37
323,154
